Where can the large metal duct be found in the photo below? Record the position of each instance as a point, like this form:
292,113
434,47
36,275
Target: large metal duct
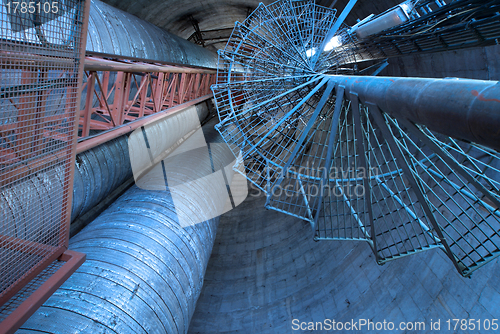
117,32
22,202
144,272
100,170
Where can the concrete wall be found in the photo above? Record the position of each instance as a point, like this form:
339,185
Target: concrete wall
474,63
265,271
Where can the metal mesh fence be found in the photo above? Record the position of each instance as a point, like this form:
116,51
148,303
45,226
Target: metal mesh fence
28,289
40,43
312,142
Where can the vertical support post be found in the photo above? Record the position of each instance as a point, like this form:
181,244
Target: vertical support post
126,96
88,104
144,93
182,88
331,142
157,95
105,84
196,90
117,106
361,146
173,89
80,40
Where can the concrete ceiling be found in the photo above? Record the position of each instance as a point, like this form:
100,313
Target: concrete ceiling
214,15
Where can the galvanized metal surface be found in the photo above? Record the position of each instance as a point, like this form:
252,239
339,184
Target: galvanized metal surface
114,31
144,272
102,169
98,172
142,275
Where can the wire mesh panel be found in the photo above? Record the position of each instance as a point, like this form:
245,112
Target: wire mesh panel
322,150
460,182
268,93
40,50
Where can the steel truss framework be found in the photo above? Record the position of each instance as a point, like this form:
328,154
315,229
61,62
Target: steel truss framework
122,90
360,158
115,92
435,25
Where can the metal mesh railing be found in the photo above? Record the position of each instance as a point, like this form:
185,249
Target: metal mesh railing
451,25
383,160
40,49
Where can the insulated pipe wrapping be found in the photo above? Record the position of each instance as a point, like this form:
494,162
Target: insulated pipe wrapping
163,134
21,202
144,272
31,210
100,170
114,31
392,18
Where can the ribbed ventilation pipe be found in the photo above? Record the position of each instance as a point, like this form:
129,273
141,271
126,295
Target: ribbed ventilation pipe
100,170
144,272
21,203
114,31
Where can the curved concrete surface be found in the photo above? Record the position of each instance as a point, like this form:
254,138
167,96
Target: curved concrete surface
265,271
173,15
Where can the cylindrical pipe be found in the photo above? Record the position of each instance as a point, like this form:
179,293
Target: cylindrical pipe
144,271
392,18
21,202
462,108
114,31
100,170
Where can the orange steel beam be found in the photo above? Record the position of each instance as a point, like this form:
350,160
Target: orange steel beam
95,64
122,97
39,296
91,142
88,101
25,246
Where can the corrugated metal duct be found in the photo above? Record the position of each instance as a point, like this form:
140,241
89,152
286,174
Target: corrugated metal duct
100,170
117,32
144,272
